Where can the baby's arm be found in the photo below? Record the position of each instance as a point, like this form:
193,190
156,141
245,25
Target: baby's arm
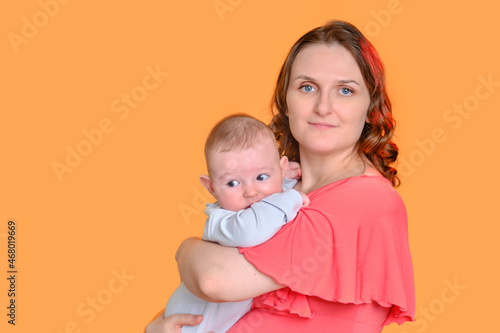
254,225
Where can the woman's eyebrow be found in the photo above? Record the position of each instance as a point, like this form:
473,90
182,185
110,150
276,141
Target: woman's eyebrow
347,81
304,77
309,78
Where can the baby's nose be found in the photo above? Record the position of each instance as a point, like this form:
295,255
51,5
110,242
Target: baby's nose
250,191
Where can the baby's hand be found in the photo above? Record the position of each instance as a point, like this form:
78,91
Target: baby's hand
305,199
293,171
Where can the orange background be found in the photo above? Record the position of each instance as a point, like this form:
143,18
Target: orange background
125,206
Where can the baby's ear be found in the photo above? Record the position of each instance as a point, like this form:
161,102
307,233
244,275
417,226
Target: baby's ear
283,166
207,183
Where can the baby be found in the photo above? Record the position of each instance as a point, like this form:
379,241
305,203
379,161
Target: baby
246,176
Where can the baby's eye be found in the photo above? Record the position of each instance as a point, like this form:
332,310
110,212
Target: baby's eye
346,91
307,88
232,183
262,177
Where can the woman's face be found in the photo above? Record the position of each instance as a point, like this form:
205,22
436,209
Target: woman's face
327,100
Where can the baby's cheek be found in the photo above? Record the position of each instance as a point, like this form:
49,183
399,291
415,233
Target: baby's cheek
275,188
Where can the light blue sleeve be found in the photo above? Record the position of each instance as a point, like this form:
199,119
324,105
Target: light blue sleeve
288,183
254,225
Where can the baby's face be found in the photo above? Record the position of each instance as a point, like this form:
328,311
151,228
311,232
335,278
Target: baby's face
241,178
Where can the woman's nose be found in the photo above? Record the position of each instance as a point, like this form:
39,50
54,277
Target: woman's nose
324,104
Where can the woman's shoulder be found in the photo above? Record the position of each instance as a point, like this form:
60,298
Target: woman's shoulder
363,196
370,185
361,186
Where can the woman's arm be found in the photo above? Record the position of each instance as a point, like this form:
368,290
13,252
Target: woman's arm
217,273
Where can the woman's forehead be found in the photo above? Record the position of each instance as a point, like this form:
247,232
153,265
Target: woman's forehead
318,60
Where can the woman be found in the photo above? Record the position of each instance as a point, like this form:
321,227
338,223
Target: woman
343,265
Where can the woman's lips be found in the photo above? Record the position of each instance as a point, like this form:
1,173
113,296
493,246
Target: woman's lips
320,125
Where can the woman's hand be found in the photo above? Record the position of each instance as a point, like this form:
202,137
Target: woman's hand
172,324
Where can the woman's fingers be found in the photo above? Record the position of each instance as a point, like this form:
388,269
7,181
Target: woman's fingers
184,319
172,324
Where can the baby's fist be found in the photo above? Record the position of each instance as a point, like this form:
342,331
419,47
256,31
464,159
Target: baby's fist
293,171
305,199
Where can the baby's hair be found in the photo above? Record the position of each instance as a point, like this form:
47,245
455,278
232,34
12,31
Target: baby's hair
237,132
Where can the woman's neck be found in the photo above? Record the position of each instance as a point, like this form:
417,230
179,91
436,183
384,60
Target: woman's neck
321,170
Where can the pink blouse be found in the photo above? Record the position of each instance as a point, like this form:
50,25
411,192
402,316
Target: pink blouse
345,259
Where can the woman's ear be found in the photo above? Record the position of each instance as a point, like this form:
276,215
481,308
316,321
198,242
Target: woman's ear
283,166
207,183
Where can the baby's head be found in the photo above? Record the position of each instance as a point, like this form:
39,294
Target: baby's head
243,162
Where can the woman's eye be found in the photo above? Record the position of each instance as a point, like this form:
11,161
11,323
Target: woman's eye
262,177
233,183
307,88
345,91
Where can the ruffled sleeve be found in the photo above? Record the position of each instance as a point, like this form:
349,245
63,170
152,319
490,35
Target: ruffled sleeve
350,245
284,302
